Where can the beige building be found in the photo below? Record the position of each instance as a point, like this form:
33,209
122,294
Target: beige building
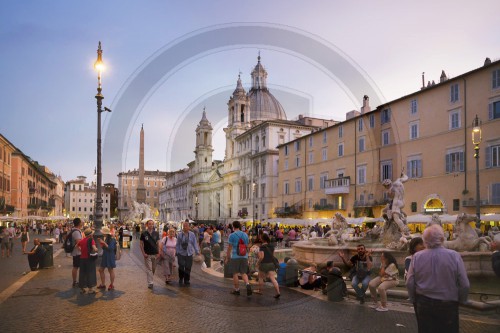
6,150
128,182
426,134
80,199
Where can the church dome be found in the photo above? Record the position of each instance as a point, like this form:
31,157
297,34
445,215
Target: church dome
263,105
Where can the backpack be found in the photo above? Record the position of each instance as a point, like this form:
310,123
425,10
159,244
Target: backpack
241,250
69,243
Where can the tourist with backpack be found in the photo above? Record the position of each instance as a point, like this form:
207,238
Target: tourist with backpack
72,238
186,247
237,258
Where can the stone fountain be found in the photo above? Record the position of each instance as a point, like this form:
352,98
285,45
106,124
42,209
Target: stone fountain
394,237
139,212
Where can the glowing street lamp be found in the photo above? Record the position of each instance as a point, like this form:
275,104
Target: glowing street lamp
476,140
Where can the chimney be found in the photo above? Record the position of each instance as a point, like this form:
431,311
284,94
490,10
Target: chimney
487,61
443,77
423,81
366,104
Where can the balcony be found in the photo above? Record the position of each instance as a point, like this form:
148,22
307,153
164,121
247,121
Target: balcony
370,203
337,185
335,206
472,203
288,211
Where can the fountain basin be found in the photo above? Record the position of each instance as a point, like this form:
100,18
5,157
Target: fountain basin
317,251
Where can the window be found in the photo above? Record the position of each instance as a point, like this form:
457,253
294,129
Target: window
323,202
385,116
341,149
361,144
310,183
454,93
494,110
360,125
324,137
263,190
362,175
385,170
310,203
286,150
310,157
372,120
263,167
456,205
414,131
263,208
341,131
286,164
297,145
454,161
286,186
310,141
413,107
298,185
414,167
385,138
495,79
263,141
454,119
297,161
493,156
323,154
495,194
322,179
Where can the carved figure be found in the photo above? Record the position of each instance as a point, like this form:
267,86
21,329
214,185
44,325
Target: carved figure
393,210
467,238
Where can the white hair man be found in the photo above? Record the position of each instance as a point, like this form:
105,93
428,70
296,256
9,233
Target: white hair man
495,257
435,299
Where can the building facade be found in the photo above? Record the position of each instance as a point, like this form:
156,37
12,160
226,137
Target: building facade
426,135
244,184
80,199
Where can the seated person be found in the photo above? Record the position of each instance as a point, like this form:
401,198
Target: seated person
35,255
310,278
330,269
282,272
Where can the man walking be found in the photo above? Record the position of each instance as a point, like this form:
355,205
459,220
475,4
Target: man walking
76,235
437,282
360,274
149,249
186,247
237,258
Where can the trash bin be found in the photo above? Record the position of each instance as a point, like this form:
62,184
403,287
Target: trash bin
227,274
216,251
292,273
126,239
48,259
335,286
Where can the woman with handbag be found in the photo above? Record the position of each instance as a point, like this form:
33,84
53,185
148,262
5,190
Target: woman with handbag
87,274
108,260
388,278
266,265
167,246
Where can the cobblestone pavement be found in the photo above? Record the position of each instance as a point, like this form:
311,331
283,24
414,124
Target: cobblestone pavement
47,302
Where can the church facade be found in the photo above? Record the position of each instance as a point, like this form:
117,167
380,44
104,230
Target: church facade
244,185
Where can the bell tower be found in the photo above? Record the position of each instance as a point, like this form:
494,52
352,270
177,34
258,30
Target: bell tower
204,149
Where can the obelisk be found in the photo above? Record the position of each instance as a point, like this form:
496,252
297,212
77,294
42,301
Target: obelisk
141,189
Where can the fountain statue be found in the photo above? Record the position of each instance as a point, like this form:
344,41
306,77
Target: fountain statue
338,233
139,212
467,238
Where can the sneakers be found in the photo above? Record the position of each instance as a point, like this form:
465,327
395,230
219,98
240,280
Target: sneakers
101,286
375,305
150,286
111,287
382,309
235,292
249,290
75,284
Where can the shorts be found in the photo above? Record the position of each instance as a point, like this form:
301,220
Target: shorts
76,261
5,244
266,267
238,265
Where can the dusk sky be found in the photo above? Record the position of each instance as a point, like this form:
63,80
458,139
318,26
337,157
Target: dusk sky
48,84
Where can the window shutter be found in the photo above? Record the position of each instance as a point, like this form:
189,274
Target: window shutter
488,157
448,162
490,111
461,157
409,170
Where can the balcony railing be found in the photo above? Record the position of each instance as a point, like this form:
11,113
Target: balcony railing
329,206
337,185
369,203
472,203
286,211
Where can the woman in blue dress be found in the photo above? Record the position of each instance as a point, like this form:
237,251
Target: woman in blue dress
108,260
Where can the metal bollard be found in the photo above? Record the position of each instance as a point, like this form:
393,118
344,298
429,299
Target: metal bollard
207,255
216,252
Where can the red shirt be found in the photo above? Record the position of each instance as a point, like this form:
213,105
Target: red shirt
84,248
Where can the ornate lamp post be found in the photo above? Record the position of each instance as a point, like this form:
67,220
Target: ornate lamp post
99,67
476,140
